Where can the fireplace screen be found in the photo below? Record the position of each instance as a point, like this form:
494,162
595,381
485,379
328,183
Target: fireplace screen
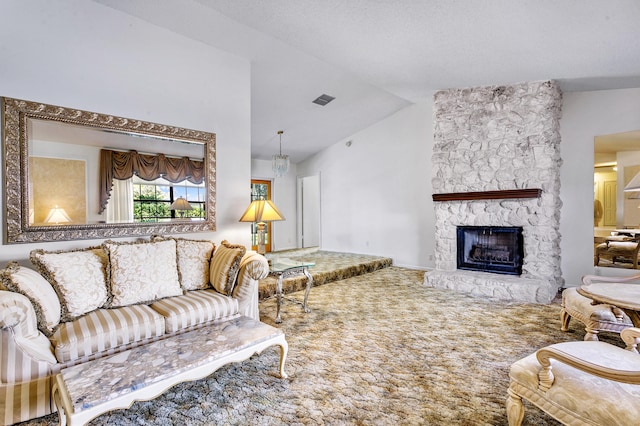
497,249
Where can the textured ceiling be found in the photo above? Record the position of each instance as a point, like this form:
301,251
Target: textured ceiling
378,56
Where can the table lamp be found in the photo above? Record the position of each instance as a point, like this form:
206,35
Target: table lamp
180,205
57,215
261,211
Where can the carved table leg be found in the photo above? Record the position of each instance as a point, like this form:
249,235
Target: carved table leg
284,349
62,402
565,318
306,293
279,294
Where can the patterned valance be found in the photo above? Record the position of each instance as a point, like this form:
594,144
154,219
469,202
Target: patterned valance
123,165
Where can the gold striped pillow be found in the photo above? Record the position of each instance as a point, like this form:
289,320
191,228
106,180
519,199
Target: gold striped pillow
225,264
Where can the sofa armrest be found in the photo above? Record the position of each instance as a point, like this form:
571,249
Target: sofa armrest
253,267
19,325
256,265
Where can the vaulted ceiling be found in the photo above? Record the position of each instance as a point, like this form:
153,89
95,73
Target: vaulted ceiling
379,56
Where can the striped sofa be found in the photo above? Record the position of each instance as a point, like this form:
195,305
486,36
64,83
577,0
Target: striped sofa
85,304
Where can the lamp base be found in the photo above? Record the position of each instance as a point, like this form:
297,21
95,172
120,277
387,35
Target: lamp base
261,238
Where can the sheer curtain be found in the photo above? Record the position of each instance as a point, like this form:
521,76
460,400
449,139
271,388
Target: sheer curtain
120,206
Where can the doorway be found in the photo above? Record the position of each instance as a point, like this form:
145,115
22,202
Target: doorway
309,211
260,190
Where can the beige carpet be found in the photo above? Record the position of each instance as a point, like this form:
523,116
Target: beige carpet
376,349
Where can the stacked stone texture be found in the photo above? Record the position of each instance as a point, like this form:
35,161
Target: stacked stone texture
499,138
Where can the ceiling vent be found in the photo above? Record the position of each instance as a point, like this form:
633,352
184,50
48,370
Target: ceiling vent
322,100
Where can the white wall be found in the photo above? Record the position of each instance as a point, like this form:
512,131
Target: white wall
81,54
586,115
283,194
376,194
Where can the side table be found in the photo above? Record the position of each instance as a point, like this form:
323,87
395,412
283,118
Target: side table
283,268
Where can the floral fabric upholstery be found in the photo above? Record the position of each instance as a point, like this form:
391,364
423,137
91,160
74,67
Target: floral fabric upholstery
142,272
193,263
195,307
77,276
105,329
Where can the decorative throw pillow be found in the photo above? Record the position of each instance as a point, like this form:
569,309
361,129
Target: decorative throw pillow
141,272
194,257
78,276
225,264
31,284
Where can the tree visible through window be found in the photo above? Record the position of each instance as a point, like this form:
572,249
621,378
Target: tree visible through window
152,200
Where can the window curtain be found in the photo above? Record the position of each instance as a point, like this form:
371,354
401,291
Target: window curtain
122,165
120,205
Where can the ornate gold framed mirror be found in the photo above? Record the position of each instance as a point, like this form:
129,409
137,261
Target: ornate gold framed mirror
71,174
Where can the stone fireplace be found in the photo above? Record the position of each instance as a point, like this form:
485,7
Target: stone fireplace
496,163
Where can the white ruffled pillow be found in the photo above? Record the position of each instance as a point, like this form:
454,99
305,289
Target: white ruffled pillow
142,272
193,261
78,276
31,284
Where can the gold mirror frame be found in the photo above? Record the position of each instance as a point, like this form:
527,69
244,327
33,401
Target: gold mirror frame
15,114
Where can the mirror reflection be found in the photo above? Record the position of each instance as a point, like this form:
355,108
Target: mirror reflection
73,174
74,156
616,210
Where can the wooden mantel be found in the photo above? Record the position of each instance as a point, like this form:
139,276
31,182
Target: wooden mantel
489,195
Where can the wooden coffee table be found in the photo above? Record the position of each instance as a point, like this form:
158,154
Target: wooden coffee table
83,392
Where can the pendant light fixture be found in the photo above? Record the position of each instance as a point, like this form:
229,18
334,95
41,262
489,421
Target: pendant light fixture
280,163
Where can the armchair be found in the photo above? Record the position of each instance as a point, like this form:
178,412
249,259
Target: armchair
618,247
579,383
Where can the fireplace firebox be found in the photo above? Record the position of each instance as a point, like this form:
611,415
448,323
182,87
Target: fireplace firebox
497,249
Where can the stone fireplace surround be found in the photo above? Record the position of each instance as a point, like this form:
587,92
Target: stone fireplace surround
499,138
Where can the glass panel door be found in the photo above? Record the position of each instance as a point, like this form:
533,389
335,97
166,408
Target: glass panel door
260,190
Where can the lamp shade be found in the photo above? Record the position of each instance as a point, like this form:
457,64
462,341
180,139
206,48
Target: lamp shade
261,211
180,204
57,215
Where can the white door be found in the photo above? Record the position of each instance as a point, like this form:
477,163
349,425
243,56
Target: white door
309,208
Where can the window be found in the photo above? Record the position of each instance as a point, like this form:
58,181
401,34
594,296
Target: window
152,200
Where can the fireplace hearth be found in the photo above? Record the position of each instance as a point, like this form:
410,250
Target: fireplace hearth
497,249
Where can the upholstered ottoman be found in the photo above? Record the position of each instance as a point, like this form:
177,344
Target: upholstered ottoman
596,318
